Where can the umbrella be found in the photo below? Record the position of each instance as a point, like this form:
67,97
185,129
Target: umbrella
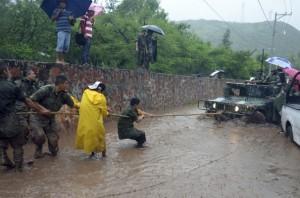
278,61
154,28
291,72
97,8
78,7
216,72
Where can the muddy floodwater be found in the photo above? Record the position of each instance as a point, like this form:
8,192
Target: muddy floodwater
184,157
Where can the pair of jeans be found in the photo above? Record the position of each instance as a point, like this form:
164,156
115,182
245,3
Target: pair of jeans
86,50
63,41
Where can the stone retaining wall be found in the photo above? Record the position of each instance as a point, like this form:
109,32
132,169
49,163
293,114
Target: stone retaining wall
154,89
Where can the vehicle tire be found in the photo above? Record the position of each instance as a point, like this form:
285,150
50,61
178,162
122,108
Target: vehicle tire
286,133
257,117
289,132
221,118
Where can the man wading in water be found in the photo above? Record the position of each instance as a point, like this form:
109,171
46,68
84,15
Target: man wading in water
126,128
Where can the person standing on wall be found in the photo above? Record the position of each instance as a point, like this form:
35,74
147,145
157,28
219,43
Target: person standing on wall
140,47
146,49
86,26
64,19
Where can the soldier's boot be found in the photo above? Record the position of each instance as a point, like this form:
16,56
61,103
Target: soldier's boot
53,148
38,152
4,160
141,140
103,153
18,158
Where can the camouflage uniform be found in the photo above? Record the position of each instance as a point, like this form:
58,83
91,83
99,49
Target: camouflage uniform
126,128
141,45
11,132
41,125
145,50
28,87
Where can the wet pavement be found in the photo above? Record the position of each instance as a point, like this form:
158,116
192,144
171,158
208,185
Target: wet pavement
184,157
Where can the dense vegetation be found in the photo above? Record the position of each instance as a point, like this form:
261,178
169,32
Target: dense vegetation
27,33
251,36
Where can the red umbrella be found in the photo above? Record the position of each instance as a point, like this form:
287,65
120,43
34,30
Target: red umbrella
97,8
291,72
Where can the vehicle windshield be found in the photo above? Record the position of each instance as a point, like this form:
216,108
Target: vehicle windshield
249,90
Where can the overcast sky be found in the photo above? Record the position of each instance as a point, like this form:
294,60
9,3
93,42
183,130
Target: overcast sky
233,10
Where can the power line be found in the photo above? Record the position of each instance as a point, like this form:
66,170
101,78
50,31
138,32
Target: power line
291,11
263,11
285,5
228,24
291,5
214,10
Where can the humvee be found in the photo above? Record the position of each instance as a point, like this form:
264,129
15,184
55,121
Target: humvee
246,99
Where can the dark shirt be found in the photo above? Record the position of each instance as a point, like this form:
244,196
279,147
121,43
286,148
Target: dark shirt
125,123
29,87
49,98
149,43
141,42
62,22
10,93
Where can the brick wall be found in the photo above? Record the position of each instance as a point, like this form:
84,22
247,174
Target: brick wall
154,89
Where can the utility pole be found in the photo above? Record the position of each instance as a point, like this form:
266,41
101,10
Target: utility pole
243,12
277,17
262,64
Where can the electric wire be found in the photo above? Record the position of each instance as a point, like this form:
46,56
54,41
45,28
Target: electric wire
285,5
263,11
243,39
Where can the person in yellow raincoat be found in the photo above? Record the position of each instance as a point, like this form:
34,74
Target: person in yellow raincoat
90,135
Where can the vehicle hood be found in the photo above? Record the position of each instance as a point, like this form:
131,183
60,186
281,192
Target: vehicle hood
242,101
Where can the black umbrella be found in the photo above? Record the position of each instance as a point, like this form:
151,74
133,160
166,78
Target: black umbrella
154,28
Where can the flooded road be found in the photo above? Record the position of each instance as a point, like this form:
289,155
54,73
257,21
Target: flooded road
185,157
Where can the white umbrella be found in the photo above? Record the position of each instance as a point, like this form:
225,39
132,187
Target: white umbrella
280,62
216,72
154,28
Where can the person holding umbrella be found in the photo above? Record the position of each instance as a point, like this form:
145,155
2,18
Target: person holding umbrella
146,45
64,19
86,26
141,48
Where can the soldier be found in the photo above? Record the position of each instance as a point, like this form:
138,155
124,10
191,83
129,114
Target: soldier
145,48
52,97
28,85
11,132
140,48
126,128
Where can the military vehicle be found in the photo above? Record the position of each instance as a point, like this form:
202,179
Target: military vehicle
250,99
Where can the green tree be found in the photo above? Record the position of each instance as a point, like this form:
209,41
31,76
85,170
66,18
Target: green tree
27,33
226,39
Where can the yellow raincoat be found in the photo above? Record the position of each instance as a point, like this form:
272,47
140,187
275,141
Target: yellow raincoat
90,135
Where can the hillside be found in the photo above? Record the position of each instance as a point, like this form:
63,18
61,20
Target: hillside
249,36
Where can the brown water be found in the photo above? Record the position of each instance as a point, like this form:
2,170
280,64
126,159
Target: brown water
185,157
